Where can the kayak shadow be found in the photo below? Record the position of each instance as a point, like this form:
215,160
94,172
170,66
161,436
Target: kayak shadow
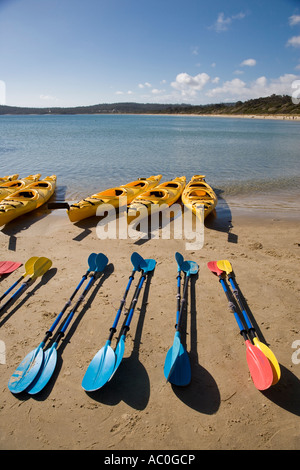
220,219
44,279
131,382
202,394
45,392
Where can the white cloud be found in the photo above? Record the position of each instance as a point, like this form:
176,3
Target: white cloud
48,98
294,19
294,41
238,89
248,62
188,85
222,23
146,84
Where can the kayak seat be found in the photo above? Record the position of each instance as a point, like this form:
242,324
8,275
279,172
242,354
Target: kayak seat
171,185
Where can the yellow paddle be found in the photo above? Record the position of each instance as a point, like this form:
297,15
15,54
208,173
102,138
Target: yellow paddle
39,267
225,265
28,272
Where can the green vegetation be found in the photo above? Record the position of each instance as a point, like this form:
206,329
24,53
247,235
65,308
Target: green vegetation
272,105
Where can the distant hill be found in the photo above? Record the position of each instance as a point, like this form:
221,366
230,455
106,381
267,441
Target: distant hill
272,105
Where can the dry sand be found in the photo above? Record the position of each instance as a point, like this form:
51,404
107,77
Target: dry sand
138,410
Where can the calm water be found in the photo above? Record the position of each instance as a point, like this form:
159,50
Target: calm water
239,157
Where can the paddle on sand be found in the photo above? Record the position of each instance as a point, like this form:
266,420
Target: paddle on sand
50,355
39,268
102,365
28,272
259,366
225,265
177,368
7,267
28,369
146,267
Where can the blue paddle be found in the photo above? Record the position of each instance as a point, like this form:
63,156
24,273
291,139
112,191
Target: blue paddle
28,369
147,267
177,368
102,365
50,356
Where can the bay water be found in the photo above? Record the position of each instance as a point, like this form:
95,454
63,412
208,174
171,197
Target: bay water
246,161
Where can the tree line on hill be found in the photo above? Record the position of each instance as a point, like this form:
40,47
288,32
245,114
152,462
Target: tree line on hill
271,105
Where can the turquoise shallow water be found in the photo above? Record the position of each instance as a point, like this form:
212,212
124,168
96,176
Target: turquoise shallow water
240,157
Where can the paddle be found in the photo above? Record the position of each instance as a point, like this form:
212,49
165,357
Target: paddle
40,267
225,265
7,267
30,366
28,272
50,356
102,365
259,366
177,368
147,266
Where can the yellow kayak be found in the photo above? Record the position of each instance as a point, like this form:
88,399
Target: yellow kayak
88,207
12,186
9,178
166,193
27,199
197,194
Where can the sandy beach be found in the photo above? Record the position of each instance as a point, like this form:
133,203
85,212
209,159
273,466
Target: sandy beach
138,410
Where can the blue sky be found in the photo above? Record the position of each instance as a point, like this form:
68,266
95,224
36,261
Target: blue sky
71,52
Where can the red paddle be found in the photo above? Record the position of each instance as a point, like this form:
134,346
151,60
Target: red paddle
7,267
258,364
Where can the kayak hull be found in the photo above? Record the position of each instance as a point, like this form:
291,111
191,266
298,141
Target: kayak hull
164,194
27,199
9,187
198,195
4,179
116,197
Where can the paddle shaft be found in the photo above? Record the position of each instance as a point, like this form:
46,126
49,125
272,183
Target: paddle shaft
183,302
178,297
133,304
232,308
11,288
250,327
113,328
67,304
61,332
16,294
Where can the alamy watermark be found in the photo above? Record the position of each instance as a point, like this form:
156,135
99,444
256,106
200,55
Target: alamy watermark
296,93
161,221
2,92
2,352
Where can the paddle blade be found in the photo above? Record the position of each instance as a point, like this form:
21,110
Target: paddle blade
172,355
41,266
213,267
100,369
92,261
101,261
7,267
45,372
224,265
119,352
179,259
137,261
26,371
150,265
259,367
190,267
272,359
181,374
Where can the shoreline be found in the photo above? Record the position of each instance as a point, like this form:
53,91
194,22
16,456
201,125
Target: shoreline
281,117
